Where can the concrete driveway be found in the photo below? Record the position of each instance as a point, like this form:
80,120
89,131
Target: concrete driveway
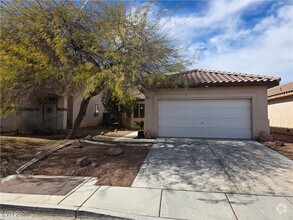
245,167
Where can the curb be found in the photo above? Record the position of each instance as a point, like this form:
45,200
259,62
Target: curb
34,160
72,211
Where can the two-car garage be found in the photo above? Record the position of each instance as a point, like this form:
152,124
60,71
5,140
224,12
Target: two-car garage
210,104
205,118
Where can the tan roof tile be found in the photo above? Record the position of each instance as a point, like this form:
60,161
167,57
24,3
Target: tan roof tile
219,78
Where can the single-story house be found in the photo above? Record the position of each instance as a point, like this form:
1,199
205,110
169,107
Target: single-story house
280,109
214,105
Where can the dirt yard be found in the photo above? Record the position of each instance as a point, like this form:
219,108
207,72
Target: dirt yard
286,150
16,151
119,170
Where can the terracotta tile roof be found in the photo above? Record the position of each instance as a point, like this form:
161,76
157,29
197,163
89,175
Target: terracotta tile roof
199,77
280,91
139,95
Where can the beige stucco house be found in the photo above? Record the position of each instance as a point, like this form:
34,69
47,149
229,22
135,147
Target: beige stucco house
52,114
214,105
280,109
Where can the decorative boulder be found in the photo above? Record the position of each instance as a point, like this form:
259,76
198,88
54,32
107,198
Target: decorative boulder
83,161
279,143
114,151
76,144
40,155
94,164
89,138
264,136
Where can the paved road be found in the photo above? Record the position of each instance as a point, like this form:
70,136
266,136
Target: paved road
245,167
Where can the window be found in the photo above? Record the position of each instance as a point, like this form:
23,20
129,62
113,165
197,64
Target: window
96,110
138,110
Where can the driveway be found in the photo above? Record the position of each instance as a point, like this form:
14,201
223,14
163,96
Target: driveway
245,167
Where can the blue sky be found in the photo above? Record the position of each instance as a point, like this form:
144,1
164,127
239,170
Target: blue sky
239,36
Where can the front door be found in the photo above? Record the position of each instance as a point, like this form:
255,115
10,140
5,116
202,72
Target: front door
50,119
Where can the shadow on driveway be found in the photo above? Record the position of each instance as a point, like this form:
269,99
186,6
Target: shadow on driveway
216,166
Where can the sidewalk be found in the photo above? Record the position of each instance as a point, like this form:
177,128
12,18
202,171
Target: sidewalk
86,199
132,138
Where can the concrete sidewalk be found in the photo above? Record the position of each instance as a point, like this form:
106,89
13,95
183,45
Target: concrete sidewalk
88,199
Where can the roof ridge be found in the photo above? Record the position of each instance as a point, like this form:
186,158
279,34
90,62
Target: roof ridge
231,73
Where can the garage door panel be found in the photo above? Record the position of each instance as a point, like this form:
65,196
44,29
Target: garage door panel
196,112
220,123
169,122
168,132
205,118
238,123
220,114
187,132
240,104
169,113
196,122
208,122
186,104
185,112
197,104
236,132
186,123
238,113
208,112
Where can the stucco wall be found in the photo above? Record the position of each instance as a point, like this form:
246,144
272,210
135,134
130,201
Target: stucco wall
24,120
280,112
89,119
27,119
258,96
32,118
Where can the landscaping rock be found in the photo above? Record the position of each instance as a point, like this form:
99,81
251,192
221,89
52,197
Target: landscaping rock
89,138
114,151
279,143
264,136
76,144
94,164
83,161
40,155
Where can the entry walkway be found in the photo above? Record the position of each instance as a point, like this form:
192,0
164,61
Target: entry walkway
132,137
84,199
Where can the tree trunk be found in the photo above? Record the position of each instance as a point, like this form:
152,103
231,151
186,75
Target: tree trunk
81,114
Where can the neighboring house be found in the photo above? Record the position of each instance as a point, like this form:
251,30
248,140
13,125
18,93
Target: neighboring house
215,105
280,109
52,114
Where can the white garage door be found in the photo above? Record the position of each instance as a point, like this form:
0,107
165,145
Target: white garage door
205,118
